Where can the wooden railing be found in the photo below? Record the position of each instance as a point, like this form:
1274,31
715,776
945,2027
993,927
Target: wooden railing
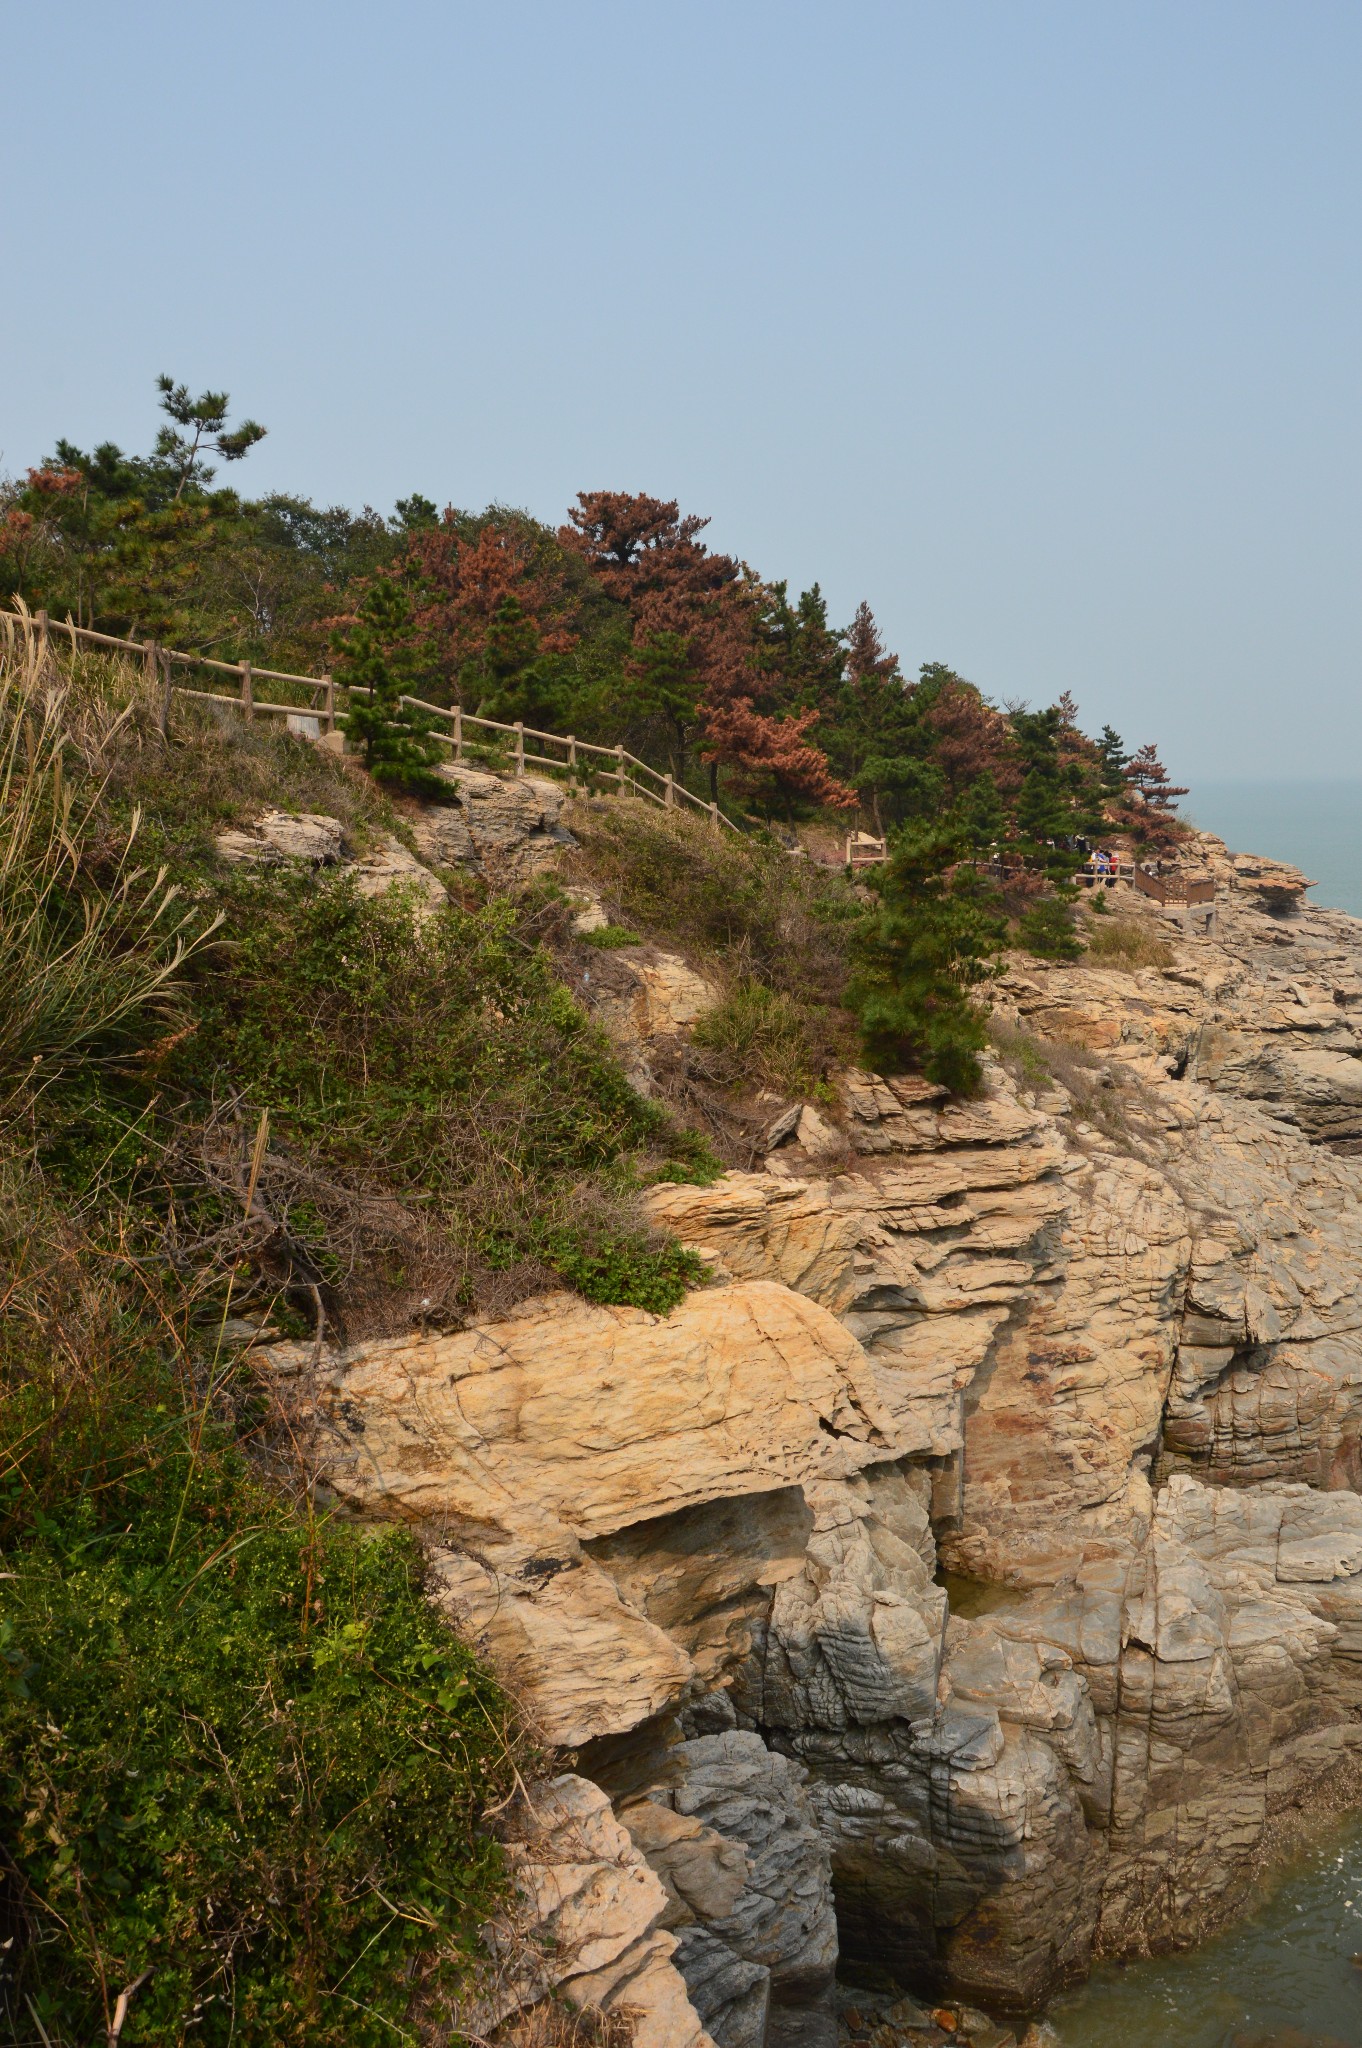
1174,888
626,772
576,755
864,850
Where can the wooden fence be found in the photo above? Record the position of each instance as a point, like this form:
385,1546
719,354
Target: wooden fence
326,702
1174,888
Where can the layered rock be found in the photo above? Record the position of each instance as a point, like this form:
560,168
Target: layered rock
506,828
982,1548
311,838
586,1925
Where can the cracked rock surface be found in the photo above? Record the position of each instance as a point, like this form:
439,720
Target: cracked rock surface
969,1580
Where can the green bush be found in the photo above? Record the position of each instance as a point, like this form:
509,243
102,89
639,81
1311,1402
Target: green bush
439,1056
239,1752
609,937
1047,930
765,1033
631,1270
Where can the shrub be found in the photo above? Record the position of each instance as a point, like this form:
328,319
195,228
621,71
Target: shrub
1125,944
243,1759
440,1057
1047,930
764,1032
611,936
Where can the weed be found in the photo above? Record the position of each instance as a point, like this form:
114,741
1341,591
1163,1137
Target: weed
1021,1053
1125,944
764,1033
745,911
1103,1093
80,958
610,936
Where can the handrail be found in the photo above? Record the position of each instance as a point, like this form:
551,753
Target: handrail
1177,889
625,772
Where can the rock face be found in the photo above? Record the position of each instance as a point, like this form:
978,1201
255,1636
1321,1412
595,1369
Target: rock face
319,841
979,1557
587,1925
505,829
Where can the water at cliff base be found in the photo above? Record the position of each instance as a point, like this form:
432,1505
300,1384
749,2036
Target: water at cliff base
1284,1978
1316,826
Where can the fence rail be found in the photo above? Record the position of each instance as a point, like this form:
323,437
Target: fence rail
626,771
1175,888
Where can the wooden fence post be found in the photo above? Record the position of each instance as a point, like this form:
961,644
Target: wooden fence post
247,691
619,770
167,691
572,754
329,703
520,746
714,816
458,732
150,661
670,797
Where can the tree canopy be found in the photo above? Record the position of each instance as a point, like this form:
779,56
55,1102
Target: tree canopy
621,623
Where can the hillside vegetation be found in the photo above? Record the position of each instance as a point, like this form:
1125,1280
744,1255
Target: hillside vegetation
245,1772
244,1763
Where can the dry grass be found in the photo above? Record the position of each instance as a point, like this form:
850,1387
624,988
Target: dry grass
90,938
1103,1093
552,2024
1125,944
771,931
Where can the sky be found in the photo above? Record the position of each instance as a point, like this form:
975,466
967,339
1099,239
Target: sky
1036,324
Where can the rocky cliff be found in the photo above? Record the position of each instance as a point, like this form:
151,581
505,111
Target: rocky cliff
968,1580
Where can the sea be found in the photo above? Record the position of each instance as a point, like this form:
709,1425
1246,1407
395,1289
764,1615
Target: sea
1289,1975
1316,826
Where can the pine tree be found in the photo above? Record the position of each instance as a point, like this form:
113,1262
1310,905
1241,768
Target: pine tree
1146,773
1111,748
866,651
178,447
380,656
930,942
666,685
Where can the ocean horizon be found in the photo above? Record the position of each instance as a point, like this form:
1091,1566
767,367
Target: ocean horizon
1316,825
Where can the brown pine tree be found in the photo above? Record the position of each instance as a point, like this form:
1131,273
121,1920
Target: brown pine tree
1146,773
866,654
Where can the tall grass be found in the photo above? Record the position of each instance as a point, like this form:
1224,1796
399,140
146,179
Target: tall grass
89,939
1126,944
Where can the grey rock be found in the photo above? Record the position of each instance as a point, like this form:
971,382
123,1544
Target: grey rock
732,1997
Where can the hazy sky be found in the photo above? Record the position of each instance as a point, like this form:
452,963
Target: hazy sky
1036,324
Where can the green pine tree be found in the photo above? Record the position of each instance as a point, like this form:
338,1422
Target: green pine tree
930,942
1047,928
381,655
